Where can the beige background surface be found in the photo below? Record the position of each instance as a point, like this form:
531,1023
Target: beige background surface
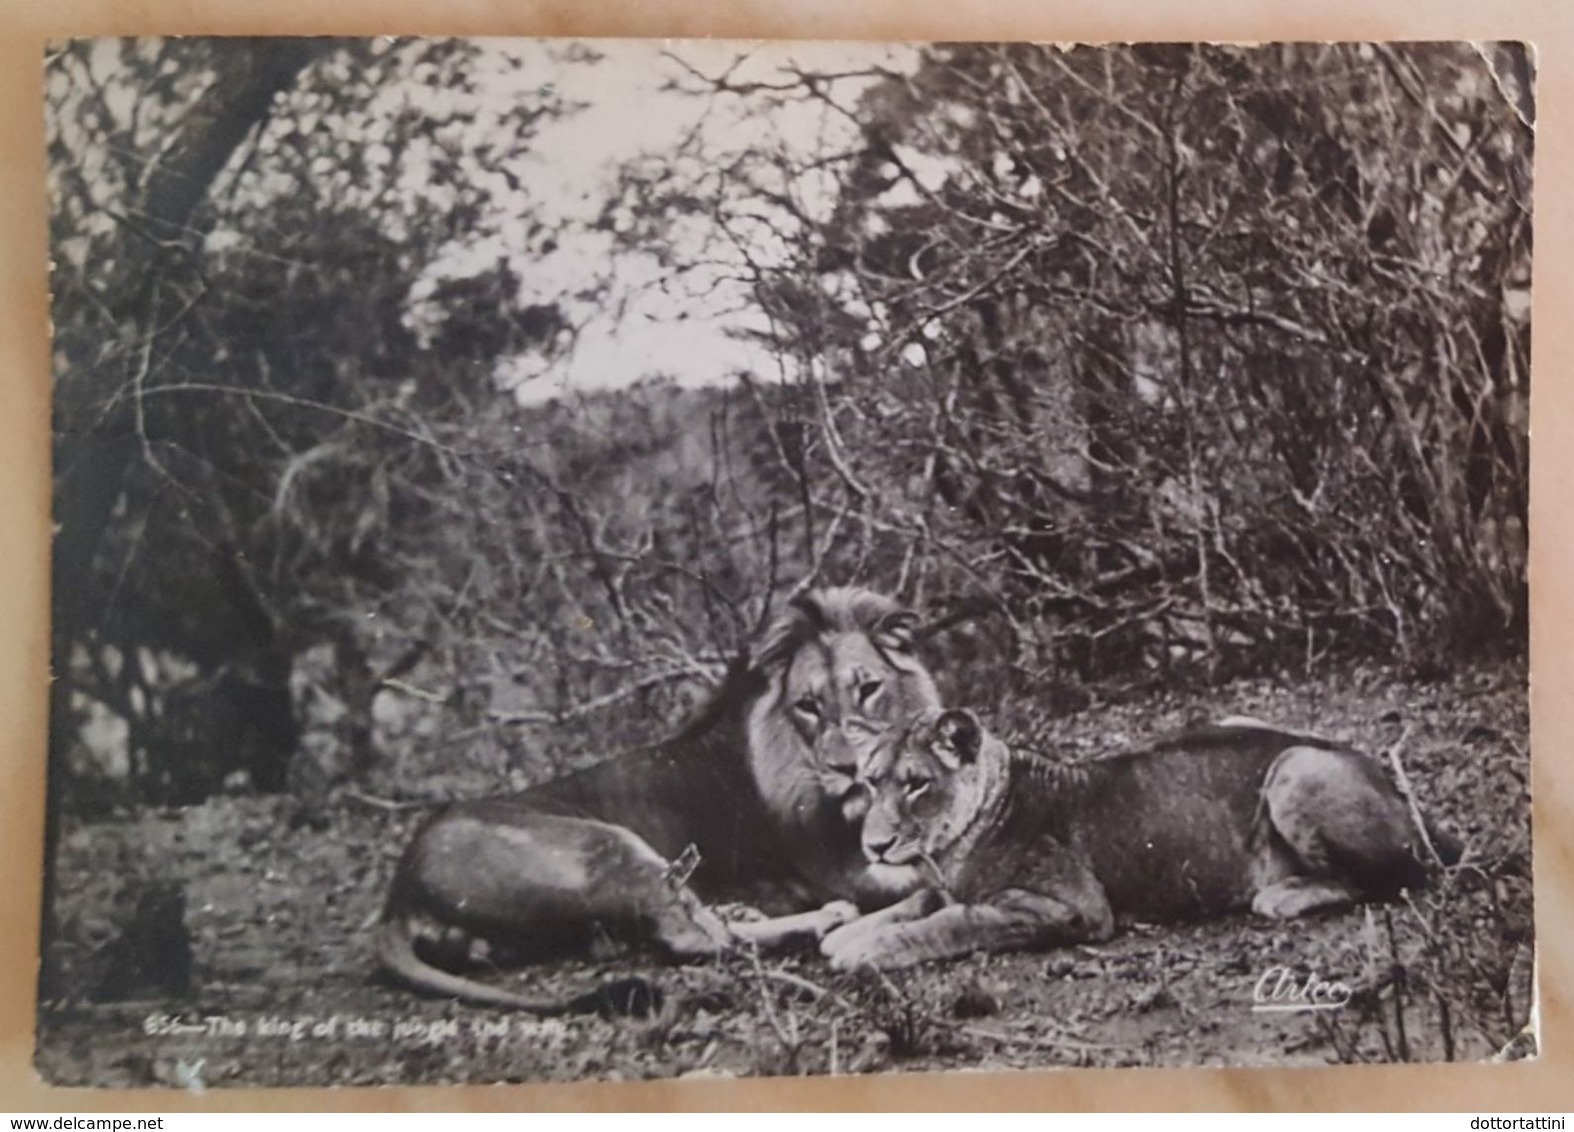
24,511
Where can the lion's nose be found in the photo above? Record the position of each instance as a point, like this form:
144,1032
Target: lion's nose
878,849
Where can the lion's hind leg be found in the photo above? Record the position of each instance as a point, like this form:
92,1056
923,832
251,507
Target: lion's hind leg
1339,833
532,886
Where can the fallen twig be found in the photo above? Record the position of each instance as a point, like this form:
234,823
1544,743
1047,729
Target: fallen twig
409,689
388,804
1403,781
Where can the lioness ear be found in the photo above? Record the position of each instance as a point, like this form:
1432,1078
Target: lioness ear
894,631
961,737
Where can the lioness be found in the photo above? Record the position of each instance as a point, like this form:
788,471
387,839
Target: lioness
752,788
1016,852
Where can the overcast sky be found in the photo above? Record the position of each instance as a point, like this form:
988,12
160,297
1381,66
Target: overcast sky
657,322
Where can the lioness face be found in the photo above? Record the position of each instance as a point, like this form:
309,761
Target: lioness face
924,783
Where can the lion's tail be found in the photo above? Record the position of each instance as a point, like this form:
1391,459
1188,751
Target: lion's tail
634,997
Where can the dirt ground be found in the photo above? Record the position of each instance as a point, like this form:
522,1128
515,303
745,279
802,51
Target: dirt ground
279,899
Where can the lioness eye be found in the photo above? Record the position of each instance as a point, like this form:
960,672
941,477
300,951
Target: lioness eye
808,706
866,691
913,787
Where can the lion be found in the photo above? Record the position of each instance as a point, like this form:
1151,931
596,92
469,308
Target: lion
1008,851
745,803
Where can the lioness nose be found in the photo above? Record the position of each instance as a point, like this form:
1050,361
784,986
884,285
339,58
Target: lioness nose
878,849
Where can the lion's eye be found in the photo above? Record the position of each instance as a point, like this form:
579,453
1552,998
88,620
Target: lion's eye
866,692
843,770
914,787
856,800
808,706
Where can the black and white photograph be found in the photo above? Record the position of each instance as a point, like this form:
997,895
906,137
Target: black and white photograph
617,559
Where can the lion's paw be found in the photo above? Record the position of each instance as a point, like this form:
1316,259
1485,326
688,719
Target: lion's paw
836,915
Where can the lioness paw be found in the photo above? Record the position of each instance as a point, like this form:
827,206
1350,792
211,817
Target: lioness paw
838,938
1298,896
849,954
849,949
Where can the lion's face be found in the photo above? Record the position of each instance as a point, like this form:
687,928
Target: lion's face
925,784
840,669
843,691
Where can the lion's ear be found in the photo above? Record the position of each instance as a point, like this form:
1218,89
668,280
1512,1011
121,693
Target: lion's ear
895,630
802,617
961,737
807,606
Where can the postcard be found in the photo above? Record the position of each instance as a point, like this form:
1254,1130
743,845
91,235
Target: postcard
614,559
